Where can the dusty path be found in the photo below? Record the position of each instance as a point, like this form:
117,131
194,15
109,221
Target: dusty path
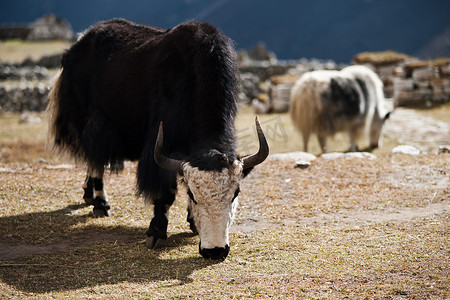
411,128
352,217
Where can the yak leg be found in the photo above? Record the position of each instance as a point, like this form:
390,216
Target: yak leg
88,187
323,142
305,140
101,206
354,134
157,230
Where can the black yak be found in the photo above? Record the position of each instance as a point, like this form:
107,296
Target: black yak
118,82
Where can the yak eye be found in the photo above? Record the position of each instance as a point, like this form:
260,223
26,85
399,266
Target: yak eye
236,194
191,196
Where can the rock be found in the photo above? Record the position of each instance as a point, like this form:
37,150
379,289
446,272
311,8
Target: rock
425,73
60,167
405,149
348,155
24,96
50,61
401,85
28,118
280,97
260,107
250,87
302,164
23,72
50,27
260,53
444,149
293,156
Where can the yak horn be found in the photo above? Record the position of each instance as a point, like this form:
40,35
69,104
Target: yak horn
163,161
256,159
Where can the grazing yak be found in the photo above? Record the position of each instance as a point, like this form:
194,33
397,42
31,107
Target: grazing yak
119,84
351,100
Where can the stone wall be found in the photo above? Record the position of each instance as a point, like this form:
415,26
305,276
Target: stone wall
19,32
24,96
265,84
421,84
24,87
409,81
49,27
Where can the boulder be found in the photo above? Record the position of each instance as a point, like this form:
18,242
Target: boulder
50,27
405,149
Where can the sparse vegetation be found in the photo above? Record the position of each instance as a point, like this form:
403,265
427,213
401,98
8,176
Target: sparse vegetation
340,229
15,51
358,229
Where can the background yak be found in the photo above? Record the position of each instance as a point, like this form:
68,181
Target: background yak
118,82
351,100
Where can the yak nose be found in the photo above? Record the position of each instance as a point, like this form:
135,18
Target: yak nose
215,253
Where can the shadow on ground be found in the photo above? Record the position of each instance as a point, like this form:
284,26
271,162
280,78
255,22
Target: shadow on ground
64,256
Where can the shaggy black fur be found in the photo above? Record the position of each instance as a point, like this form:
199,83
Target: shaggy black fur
121,79
344,98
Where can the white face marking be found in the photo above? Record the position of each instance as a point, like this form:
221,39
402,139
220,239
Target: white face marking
376,131
214,209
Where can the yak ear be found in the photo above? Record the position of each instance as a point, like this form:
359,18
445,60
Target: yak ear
246,171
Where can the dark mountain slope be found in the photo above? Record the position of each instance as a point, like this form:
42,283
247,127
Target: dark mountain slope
291,28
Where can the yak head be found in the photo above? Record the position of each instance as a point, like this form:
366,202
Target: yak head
376,129
212,181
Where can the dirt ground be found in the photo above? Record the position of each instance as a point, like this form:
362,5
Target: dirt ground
424,132
342,228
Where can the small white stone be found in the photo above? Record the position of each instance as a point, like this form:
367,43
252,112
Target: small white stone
444,149
349,155
406,149
294,156
302,164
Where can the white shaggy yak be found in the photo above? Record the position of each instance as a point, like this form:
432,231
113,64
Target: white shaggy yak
350,100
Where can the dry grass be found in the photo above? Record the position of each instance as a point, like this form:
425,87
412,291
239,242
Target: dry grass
340,229
52,247
15,51
380,58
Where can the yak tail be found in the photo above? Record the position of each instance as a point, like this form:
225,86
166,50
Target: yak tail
52,112
304,107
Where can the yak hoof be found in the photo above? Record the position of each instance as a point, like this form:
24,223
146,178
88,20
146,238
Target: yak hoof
153,243
101,212
101,208
89,201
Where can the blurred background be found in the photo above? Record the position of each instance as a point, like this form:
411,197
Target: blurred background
292,29
406,42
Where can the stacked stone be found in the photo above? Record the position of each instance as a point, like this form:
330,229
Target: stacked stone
29,72
422,84
409,81
48,27
384,64
26,96
266,82
279,92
